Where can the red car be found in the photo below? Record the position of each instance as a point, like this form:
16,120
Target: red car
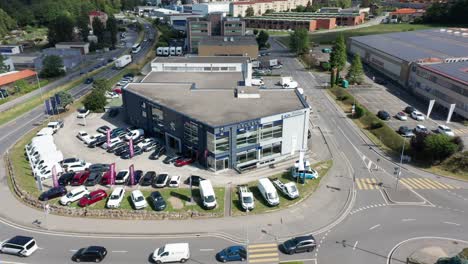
105,180
93,197
118,90
183,161
80,178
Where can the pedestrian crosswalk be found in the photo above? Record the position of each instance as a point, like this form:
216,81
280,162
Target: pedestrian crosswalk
263,253
426,184
367,184
460,131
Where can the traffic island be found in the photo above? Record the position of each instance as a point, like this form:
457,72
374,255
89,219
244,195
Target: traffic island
261,206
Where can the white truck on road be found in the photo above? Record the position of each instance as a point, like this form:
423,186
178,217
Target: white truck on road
288,83
289,189
123,61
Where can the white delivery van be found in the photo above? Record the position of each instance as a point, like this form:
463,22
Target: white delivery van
268,191
166,51
159,51
177,252
207,194
46,131
179,51
257,82
172,51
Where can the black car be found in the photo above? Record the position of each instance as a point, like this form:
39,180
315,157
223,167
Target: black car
409,109
380,81
157,201
113,112
157,153
94,178
148,179
405,131
52,193
137,176
98,141
118,130
89,80
99,167
161,181
116,146
129,75
138,140
299,244
90,254
121,150
4,93
66,178
103,129
136,151
194,179
383,115
118,133
170,159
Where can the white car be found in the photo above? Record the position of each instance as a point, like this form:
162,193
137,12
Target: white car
19,245
78,167
71,161
110,95
83,136
82,113
112,143
421,129
443,129
122,177
138,200
74,195
402,116
417,115
134,134
174,181
116,198
147,144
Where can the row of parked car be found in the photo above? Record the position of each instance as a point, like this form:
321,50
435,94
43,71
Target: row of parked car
175,252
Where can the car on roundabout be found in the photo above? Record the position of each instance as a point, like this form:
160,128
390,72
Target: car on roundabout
299,244
90,254
232,253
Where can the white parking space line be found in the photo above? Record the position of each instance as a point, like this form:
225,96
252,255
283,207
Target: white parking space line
451,223
206,249
374,227
355,244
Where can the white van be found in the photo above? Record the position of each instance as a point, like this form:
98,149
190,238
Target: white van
19,245
177,252
159,51
46,131
179,51
268,191
172,51
207,194
257,82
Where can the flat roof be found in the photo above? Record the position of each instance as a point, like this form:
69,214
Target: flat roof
201,59
416,45
237,41
453,70
201,80
217,107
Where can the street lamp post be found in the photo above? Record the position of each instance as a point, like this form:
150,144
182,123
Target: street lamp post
401,163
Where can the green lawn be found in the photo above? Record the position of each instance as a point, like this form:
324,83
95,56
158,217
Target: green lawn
261,206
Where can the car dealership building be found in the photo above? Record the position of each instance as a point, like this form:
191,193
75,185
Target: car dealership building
207,108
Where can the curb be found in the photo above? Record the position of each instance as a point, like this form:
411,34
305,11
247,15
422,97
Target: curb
387,196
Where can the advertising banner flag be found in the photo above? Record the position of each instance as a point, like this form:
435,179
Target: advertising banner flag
57,99
130,145
53,105
112,174
429,109
452,108
54,176
132,174
108,132
47,106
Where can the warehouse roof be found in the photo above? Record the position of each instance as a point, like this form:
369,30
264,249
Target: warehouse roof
200,59
229,41
14,76
417,45
201,80
454,70
216,107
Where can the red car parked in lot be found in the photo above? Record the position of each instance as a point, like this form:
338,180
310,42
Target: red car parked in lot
183,161
80,178
93,197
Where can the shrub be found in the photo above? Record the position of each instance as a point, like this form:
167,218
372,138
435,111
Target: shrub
376,124
359,111
457,163
459,142
439,147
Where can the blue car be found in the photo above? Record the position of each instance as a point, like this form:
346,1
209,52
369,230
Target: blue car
232,253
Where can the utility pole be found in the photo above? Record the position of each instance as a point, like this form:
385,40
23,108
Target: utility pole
401,164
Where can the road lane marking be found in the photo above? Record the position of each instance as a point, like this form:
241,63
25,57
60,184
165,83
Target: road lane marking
206,249
359,184
299,260
371,186
435,183
11,262
262,245
424,183
408,220
73,250
263,255
355,244
119,251
451,223
374,227
274,260
260,250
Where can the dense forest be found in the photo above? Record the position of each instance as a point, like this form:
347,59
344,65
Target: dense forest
42,12
453,13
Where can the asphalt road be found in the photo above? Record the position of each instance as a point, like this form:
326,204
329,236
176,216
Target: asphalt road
370,231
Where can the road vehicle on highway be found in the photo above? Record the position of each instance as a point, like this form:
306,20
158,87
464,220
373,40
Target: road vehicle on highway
134,134
66,178
103,129
421,129
268,191
417,115
289,189
122,177
194,180
445,130
232,253
82,113
158,152
74,195
92,197
22,246
90,254
409,109
138,200
52,193
299,244
115,198
177,252
207,194
136,151
80,178
89,80
184,161
148,178
93,178
246,198
112,142
148,144
157,201
383,115
161,180
405,131
402,116
174,181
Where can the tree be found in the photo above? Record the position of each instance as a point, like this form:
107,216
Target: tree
249,12
61,30
299,41
95,101
82,24
338,54
98,29
356,72
102,85
262,38
439,147
52,66
255,31
112,27
300,8
344,3
66,99
269,11
311,7
3,68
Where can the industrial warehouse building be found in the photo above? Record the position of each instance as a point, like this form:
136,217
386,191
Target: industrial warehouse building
429,63
229,46
205,107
